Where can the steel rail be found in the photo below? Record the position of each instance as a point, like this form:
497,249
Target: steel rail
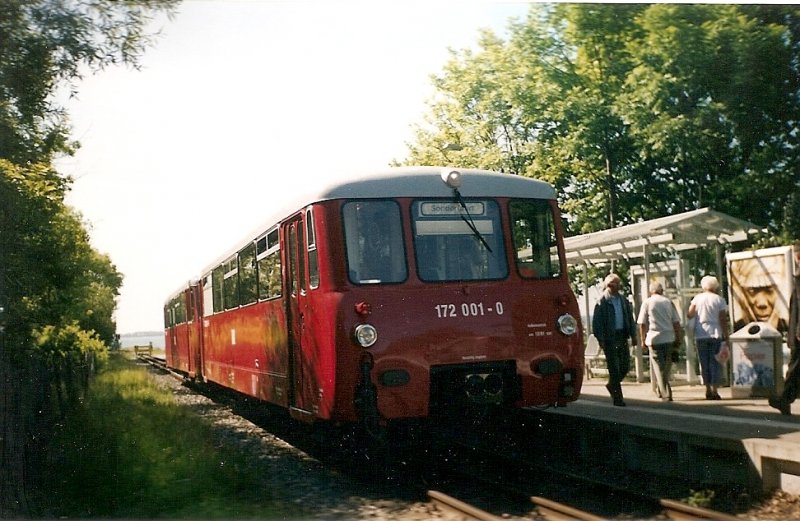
555,511
678,511
464,511
160,364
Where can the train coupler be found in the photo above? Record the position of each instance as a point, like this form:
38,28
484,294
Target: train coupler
365,400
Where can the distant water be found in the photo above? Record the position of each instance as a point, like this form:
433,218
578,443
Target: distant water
142,339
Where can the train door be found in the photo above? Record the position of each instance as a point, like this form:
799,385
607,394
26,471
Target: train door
195,318
171,347
301,373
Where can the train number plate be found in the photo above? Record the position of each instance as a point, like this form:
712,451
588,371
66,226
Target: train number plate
469,309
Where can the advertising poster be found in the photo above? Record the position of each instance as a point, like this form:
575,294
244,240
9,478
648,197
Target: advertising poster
760,287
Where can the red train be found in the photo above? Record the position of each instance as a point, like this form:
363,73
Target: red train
388,297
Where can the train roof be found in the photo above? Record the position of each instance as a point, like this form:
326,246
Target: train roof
427,182
415,181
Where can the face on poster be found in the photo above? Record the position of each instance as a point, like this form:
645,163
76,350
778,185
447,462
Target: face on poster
760,287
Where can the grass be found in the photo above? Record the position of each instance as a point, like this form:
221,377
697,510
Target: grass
132,452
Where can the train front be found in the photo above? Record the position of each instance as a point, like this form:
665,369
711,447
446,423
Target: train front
458,298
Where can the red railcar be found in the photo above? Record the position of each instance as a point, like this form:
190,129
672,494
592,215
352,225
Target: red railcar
392,296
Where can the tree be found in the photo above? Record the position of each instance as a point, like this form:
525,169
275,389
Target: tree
713,106
45,45
56,292
633,111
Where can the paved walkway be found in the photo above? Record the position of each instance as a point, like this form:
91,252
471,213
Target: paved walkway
685,394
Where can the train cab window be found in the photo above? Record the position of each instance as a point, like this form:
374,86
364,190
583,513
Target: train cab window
248,281
311,247
268,259
457,242
535,241
374,240
230,284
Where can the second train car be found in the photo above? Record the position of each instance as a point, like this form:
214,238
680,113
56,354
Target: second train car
393,296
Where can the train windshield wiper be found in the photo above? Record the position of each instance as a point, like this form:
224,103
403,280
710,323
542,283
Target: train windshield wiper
470,222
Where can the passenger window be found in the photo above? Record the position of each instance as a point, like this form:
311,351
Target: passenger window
269,266
230,284
455,242
248,290
374,240
535,241
217,277
180,310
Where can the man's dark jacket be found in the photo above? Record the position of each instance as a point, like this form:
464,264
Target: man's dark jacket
604,322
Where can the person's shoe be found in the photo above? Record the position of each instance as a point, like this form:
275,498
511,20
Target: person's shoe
619,402
781,405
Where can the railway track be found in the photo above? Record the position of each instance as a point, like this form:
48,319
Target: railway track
554,511
678,511
458,509
158,363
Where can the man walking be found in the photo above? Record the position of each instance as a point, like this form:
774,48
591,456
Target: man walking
659,328
792,381
613,325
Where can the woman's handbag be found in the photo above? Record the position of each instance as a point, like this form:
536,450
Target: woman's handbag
723,354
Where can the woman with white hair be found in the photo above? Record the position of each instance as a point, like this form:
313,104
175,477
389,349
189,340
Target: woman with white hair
659,329
710,330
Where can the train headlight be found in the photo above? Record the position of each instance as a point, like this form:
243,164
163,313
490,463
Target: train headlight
567,324
366,335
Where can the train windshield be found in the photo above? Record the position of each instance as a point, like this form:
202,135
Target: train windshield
458,240
374,238
535,240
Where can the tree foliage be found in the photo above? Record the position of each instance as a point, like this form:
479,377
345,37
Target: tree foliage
46,45
632,111
57,293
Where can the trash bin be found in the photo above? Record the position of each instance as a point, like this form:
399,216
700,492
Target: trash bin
756,361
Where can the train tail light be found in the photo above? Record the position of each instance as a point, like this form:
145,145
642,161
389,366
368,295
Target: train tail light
363,308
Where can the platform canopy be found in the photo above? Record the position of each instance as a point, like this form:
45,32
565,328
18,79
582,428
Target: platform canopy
673,233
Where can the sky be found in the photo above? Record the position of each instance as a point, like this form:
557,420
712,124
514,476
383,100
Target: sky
239,105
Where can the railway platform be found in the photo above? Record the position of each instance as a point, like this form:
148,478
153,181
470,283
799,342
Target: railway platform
742,442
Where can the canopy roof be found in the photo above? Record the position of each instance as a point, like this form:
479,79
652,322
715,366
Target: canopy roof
674,233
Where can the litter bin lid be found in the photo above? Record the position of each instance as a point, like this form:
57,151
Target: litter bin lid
755,330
